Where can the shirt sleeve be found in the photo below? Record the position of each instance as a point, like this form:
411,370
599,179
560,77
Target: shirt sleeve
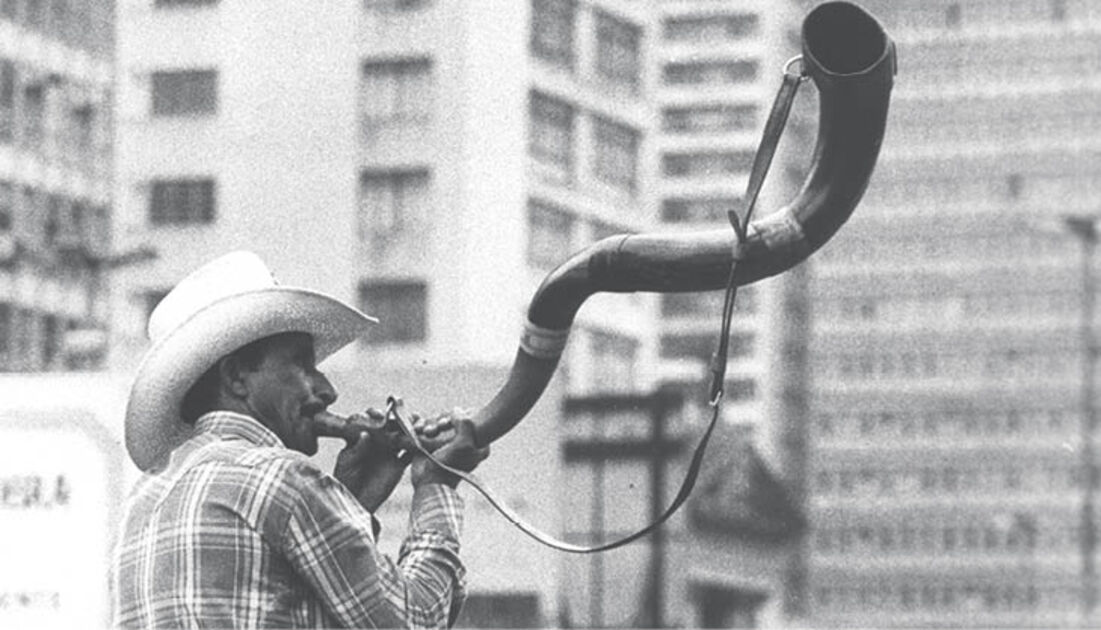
329,539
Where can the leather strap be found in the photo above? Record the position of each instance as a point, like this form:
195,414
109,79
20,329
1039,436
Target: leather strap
774,128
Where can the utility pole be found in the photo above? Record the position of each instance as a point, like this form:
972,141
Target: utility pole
600,452
1085,229
664,402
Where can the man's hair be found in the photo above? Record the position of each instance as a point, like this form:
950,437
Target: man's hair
203,395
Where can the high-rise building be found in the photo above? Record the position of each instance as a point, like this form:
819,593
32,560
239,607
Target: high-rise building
719,66
946,480
56,73
429,161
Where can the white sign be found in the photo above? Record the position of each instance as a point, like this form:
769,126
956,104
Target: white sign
57,504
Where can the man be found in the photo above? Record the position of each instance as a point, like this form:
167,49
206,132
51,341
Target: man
233,526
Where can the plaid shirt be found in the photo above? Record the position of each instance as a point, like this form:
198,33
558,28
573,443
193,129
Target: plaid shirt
238,531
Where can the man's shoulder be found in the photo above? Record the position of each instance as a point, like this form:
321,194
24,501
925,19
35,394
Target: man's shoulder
270,476
237,462
270,460
257,455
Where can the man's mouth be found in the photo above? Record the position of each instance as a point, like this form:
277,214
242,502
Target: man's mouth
312,416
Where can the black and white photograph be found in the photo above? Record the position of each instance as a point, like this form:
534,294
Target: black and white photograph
550,314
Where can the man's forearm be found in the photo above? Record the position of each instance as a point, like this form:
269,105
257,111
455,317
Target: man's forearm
429,556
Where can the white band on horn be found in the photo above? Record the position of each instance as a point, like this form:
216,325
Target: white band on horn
779,229
543,343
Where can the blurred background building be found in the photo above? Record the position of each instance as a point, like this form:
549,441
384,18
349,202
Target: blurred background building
55,180
947,487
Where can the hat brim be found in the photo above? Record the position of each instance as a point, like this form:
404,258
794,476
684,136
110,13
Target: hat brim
153,424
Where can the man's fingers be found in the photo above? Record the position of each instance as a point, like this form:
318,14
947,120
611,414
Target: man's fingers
361,445
464,432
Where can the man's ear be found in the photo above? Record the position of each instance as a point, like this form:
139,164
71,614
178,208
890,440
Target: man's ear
231,375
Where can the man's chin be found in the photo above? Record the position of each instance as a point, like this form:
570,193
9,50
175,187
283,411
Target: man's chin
305,442
307,446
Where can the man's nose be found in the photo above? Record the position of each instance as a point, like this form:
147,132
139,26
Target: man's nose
323,389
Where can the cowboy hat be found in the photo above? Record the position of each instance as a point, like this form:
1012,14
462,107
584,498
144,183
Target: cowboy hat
220,307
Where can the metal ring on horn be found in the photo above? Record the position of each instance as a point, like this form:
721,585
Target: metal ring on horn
802,74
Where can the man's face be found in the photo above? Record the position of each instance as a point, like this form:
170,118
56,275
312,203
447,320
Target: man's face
286,390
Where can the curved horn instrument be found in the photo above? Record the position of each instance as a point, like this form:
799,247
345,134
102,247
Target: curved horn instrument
851,60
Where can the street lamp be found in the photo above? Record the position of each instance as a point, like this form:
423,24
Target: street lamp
1085,228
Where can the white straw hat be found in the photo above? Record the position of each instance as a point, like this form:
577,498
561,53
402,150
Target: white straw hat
220,307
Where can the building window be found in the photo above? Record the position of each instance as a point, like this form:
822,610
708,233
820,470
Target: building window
709,119
7,100
953,15
395,5
551,138
693,304
615,153
725,607
740,389
34,13
697,209
710,28
28,219
1058,10
162,4
51,227
58,18
393,201
702,346
7,209
550,234
614,360
397,89
552,31
84,127
53,331
703,73
617,51
33,114
707,164
6,333
185,93
401,308
181,201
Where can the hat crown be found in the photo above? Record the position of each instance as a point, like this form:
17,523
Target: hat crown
235,273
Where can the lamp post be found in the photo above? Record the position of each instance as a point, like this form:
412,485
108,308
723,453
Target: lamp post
1085,228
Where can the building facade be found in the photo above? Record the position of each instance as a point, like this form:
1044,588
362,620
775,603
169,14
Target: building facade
947,488
56,73
719,66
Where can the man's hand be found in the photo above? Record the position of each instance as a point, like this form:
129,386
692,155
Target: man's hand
370,467
460,451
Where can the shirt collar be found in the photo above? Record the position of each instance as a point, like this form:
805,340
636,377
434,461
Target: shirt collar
237,425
